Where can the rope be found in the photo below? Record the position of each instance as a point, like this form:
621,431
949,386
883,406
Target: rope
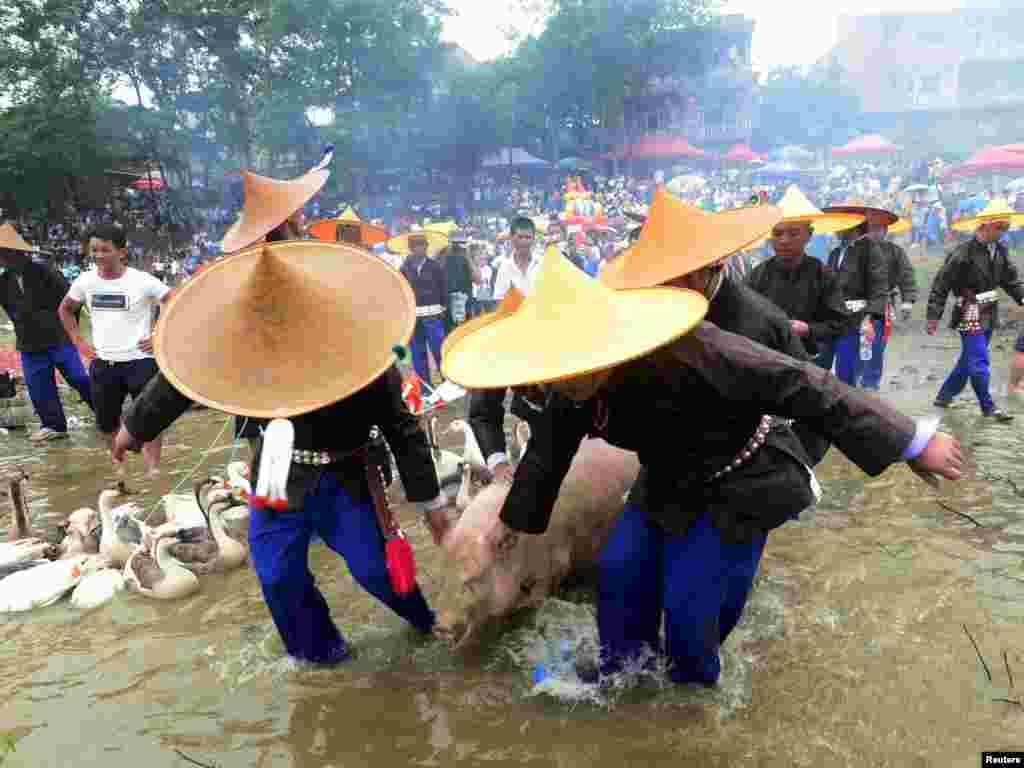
202,457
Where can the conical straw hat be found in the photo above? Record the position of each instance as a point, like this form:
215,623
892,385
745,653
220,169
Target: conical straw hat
679,238
10,239
570,325
269,203
901,226
444,227
796,208
857,205
328,229
436,242
998,209
512,301
281,329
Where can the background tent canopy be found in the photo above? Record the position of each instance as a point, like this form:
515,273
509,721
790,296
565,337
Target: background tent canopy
864,144
513,156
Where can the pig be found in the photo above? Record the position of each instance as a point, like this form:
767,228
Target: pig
475,590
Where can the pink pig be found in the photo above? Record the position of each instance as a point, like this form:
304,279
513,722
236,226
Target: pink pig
475,590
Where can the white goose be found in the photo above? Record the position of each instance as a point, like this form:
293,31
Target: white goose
44,585
216,550
447,463
471,452
122,530
239,480
81,533
465,495
99,587
21,546
158,576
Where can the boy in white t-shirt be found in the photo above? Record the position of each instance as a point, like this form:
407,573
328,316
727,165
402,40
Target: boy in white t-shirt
121,301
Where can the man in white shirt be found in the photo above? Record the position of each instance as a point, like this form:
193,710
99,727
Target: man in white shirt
121,304
521,268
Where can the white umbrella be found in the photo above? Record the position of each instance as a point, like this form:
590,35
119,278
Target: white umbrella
916,188
1016,185
682,185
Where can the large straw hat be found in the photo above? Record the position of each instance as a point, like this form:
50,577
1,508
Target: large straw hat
797,208
280,329
328,229
857,205
436,242
569,325
998,209
678,239
269,203
901,226
10,239
512,301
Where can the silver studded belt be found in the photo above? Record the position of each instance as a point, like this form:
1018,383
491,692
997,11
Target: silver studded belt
753,446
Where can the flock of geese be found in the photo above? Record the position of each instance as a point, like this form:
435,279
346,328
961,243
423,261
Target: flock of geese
162,555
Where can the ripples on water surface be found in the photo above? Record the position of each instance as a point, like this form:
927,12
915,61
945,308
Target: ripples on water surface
852,651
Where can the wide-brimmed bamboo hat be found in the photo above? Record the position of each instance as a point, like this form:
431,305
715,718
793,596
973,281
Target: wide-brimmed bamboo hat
436,241
856,205
998,209
797,208
281,329
338,229
11,240
269,203
678,238
512,301
570,325
902,225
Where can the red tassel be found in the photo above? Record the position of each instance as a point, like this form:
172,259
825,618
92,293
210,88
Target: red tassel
889,312
401,564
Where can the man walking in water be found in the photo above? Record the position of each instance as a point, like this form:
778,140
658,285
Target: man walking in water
121,302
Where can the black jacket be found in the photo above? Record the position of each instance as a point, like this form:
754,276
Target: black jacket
863,275
901,272
688,409
428,282
343,426
968,271
32,305
809,293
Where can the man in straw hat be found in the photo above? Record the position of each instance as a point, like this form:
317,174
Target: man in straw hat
901,279
618,370
263,362
805,289
972,273
427,277
30,293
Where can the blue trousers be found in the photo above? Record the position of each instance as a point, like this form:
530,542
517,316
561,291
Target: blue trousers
871,370
974,365
844,351
280,552
429,332
700,583
38,368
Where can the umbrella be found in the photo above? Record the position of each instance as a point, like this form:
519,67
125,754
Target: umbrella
571,163
1016,185
683,185
742,152
148,184
990,160
872,142
917,188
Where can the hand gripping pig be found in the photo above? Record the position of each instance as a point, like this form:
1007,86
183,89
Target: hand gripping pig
476,589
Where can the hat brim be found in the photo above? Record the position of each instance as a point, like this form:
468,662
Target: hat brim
702,239
436,242
268,204
512,301
901,226
284,328
327,230
536,345
969,225
827,223
12,241
890,217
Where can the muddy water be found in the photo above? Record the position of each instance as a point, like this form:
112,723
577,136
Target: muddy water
852,651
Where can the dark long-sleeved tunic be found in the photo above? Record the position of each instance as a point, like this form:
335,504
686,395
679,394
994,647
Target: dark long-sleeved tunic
342,427
969,270
30,293
863,275
901,272
688,409
809,293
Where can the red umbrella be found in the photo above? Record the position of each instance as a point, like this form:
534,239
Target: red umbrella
865,144
658,146
742,152
989,160
1013,147
148,184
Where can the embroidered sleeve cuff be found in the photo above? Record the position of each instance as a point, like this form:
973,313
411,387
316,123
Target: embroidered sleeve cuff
926,429
437,503
495,459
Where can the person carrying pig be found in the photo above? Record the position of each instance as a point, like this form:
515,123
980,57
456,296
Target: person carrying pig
639,369
260,361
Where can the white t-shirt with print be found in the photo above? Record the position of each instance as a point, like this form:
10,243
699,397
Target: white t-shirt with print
121,311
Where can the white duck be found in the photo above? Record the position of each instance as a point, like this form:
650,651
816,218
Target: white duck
447,463
44,585
158,576
471,453
99,587
122,530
